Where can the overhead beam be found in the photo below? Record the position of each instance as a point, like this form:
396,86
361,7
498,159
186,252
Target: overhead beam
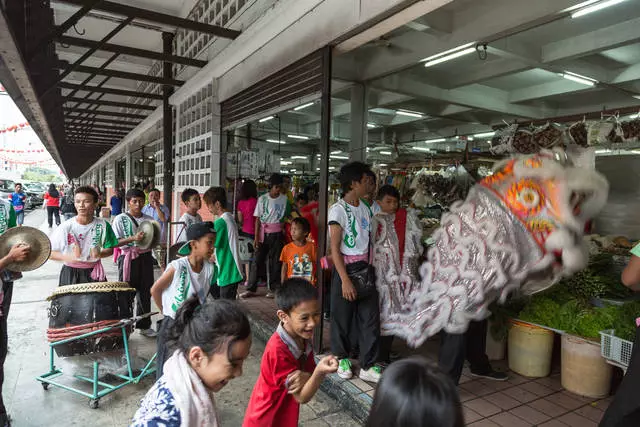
92,50
108,103
109,91
69,119
481,97
102,113
126,75
61,29
485,71
132,51
77,126
95,138
160,18
596,41
99,135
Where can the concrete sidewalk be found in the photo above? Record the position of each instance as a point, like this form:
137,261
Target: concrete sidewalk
30,406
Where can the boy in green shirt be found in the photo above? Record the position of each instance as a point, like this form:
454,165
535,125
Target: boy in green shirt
227,273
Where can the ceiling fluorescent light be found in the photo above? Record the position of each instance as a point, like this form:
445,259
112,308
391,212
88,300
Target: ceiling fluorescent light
284,162
426,150
636,96
299,157
596,7
461,51
304,138
431,141
303,106
484,135
284,172
409,113
266,119
579,79
275,141
447,52
371,125
339,157
334,152
580,5
386,153
382,164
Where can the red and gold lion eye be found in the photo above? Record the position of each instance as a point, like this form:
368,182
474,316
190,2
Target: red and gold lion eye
526,196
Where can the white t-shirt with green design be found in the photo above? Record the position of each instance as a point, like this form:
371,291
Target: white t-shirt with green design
96,234
185,284
124,227
272,211
356,226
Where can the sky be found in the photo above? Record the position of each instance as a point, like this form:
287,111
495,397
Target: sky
21,140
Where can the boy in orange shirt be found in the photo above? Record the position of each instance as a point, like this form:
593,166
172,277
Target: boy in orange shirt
299,257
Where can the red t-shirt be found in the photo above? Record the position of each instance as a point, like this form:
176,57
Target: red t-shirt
270,404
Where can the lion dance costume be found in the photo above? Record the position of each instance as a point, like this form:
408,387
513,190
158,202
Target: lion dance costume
519,230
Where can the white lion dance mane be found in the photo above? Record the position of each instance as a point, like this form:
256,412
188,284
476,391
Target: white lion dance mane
519,230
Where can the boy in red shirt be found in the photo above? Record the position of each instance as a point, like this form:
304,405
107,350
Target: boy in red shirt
299,257
288,372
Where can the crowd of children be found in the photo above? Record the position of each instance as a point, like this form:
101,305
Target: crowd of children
204,335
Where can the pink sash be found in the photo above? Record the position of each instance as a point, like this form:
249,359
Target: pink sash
130,253
98,274
275,227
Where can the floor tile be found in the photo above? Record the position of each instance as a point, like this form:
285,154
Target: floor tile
574,420
477,388
483,407
466,395
566,401
521,394
470,415
361,384
537,389
553,383
553,423
506,419
530,414
503,400
548,407
484,423
590,412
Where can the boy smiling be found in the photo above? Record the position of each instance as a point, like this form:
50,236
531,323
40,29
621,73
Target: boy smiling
288,372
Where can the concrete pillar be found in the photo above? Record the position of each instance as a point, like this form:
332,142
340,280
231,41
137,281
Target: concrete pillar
359,117
218,144
128,170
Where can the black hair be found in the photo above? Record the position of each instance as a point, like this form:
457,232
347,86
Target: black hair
248,190
302,196
215,194
372,175
302,222
135,192
154,189
85,189
293,292
415,393
189,193
353,171
208,326
388,190
312,191
18,183
275,180
53,191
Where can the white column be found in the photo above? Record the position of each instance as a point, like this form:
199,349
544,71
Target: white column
359,117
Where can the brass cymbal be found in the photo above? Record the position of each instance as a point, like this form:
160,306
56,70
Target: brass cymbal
152,233
40,247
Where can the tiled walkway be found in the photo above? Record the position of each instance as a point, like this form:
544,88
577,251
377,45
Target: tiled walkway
518,402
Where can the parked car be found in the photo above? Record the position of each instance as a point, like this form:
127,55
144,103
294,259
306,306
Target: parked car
34,196
7,187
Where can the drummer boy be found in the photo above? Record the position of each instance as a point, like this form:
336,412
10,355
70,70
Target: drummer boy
82,241
135,265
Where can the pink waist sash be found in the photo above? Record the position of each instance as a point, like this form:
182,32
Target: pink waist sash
130,253
97,273
276,227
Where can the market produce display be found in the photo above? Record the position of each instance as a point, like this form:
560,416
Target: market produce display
519,229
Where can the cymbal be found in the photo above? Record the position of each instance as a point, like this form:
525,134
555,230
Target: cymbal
37,241
152,233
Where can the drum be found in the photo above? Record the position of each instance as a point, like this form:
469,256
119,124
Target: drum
83,308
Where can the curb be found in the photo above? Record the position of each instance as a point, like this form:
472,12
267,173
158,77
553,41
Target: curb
350,398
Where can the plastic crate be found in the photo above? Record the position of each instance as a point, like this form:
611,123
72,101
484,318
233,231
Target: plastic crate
615,349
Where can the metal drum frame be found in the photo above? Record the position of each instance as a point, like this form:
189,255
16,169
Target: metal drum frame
99,388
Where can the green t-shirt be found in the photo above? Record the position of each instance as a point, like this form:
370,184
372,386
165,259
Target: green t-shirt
227,269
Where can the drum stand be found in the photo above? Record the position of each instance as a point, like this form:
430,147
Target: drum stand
99,388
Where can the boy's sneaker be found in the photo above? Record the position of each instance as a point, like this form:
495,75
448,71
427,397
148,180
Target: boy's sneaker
247,294
490,374
270,295
372,374
344,369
